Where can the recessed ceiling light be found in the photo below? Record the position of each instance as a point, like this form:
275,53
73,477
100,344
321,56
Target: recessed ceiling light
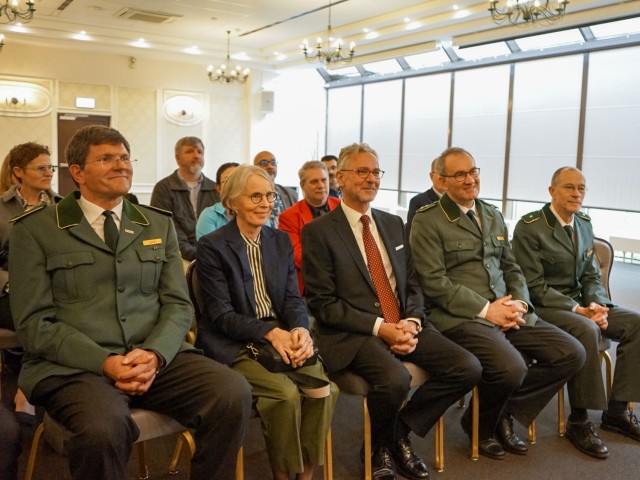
371,35
455,7
407,19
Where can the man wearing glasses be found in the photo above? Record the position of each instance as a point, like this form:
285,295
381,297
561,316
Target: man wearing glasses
554,247
361,286
286,196
478,298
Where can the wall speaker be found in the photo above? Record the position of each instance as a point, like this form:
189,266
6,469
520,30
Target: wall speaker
266,102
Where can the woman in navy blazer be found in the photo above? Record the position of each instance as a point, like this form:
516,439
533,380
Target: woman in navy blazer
250,293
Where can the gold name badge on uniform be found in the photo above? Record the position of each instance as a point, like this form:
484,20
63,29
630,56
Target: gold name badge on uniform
153,241
126,230
500,237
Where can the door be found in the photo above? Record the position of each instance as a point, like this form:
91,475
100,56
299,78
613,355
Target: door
68,125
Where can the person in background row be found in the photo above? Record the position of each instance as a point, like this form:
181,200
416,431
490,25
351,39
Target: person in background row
554,248
7,178
478,298
286,196
331,162
30,165
424,198
102,308
248,279
360,285
314,183
185,193
216,215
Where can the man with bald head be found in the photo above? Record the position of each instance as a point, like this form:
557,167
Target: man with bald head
286,196
554,247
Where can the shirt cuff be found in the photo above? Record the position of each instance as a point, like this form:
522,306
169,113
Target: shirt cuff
524,304
376,326
417,322
483,312
301,328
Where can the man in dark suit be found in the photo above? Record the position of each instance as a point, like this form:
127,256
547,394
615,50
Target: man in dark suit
554,247
478,298
314,183
101,305
287,196
361,287
424,198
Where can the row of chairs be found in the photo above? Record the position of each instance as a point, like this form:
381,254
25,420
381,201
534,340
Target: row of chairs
154,425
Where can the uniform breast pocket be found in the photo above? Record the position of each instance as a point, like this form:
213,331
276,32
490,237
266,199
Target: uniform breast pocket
460,254
152,259
71,275
555,263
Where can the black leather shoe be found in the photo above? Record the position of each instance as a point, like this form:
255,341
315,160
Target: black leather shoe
490,447
409,464
382,465
626,424
583,435
507,437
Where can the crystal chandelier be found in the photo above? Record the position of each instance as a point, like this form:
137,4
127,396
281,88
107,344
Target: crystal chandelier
330,51
11,11
522,12
225,74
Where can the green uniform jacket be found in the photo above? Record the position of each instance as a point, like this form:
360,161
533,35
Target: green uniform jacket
558,276
75,302
459,268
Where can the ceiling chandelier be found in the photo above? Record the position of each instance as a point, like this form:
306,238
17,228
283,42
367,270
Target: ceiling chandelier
225,74
330,51
522,12
11,11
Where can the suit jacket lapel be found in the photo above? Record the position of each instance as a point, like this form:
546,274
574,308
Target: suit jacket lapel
238,247
305,212
269,262
391,241
454,214
558,232
132,224
344,232
70,216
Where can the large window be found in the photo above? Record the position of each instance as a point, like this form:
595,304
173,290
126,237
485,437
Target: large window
344,111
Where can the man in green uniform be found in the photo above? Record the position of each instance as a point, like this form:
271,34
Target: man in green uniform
102,309
554,247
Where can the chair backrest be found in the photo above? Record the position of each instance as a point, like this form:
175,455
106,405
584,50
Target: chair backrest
603,251
195,291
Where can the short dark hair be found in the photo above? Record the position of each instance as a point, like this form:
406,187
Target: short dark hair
223,167
22,154
440,161
191,141
328,158
78,147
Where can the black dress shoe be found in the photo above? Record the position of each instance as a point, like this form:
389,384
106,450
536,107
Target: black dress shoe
507,437
409,464
583,435
626,424
490,447
382,465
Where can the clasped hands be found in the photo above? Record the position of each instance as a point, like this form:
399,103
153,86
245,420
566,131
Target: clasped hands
597,313
506,313
134,372
294,347
402,337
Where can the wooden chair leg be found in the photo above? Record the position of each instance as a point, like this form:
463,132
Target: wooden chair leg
184,437
328,458
532,433
440,444
561,422
609,371
240,465
35,444
475,423
143,471
368,471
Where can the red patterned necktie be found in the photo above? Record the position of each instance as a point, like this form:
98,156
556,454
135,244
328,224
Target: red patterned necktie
388,302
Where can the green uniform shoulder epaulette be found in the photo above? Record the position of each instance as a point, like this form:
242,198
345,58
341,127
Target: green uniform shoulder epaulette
487,204
156,209
532,216
584,216
424,208
28,212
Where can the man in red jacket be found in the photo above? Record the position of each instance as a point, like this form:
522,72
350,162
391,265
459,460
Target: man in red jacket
314,184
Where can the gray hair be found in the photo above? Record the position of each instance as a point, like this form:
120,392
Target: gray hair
311,165
191,141
234,186
556,174
440,161
351,150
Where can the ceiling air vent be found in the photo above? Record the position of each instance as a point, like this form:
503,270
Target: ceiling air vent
147,16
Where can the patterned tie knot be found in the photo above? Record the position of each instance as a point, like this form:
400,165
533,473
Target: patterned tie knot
365,220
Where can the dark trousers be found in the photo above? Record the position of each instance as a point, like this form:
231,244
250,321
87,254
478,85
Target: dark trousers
10,444
587,388
197,391
522,369
453,372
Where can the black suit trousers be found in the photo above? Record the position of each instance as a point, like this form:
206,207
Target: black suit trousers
197,391
453,372
522,369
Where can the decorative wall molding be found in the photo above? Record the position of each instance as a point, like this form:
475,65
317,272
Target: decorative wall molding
183,108
24,99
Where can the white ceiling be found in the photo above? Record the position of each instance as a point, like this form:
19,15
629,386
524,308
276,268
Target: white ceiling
280,26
